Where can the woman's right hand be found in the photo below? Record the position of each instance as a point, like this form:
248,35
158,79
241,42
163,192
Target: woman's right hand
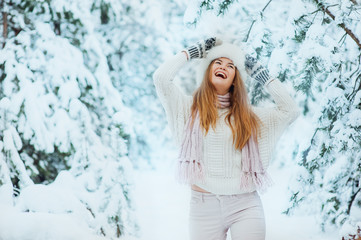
199,50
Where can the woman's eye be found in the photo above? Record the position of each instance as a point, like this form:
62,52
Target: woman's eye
231,66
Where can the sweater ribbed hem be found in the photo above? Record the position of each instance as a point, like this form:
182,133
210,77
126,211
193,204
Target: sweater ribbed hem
223,186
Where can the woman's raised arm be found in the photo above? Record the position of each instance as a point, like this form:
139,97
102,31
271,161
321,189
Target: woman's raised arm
176,104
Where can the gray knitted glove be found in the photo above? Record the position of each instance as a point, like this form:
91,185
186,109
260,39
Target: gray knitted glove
256,70
200,48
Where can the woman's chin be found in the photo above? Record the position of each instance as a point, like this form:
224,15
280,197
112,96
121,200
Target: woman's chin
221,90
221,85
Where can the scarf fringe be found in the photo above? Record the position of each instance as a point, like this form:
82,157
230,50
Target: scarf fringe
189,172
260,180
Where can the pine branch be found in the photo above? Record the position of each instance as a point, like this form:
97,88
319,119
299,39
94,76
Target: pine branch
5,22
223,7
266,6
342,25
353,197
254,21
357,86
249,30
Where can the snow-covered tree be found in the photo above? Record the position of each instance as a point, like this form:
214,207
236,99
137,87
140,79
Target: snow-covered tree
330,51
60,110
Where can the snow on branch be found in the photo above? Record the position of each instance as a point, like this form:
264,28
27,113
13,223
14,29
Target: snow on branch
342,25
253,22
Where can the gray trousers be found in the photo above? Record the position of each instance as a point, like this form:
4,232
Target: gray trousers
212,215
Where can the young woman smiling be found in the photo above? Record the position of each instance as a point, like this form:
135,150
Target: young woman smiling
225,143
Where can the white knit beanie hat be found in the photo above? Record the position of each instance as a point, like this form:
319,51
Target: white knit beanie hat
227,50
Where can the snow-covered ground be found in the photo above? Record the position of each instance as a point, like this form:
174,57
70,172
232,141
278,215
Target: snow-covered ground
162,211
162,207
17,225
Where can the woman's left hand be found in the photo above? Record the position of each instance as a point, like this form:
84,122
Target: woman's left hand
256,70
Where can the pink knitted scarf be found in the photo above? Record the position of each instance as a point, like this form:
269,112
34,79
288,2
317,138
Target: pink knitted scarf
190,160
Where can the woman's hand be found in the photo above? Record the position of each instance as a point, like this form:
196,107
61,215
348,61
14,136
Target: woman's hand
256,70
199,50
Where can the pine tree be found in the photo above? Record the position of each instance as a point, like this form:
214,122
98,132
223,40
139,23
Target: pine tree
331,161
55,77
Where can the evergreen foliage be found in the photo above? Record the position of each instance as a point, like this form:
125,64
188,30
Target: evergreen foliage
60,112
220,6
332,160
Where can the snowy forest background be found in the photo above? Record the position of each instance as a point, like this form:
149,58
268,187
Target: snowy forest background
81,127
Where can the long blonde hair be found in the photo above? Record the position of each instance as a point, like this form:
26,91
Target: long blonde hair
244,123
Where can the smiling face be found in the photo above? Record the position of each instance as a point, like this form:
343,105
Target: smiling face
222,74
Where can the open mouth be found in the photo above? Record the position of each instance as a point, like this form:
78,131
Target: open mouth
221,75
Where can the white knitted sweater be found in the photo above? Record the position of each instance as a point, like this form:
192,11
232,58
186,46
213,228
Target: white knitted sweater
222,161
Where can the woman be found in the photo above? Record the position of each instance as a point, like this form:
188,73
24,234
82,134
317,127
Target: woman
225,143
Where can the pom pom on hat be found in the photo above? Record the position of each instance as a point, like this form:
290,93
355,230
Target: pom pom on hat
227,50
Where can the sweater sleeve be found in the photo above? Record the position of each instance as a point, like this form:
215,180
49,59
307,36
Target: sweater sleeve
176,104
286,110
275,119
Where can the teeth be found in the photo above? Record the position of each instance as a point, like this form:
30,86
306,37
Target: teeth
220,74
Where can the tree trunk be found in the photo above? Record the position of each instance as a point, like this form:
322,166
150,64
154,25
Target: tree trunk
354,2
5,23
